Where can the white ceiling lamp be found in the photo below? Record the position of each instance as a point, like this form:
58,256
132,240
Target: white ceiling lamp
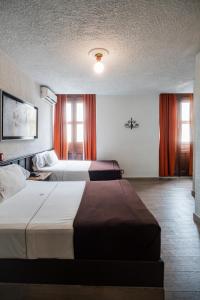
98,54
99,66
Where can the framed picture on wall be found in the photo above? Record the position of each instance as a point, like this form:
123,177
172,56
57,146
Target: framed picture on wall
19,119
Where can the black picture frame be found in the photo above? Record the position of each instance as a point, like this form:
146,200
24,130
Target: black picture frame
10,137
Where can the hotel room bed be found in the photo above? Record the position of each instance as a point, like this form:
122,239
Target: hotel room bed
79,233
65,170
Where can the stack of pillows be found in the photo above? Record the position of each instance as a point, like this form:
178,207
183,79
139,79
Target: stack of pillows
47,158
13,177
12,180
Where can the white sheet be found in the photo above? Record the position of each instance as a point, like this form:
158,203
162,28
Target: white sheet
68,170
15,213
38,221
50,232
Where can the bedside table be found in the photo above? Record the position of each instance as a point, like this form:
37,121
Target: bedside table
44,176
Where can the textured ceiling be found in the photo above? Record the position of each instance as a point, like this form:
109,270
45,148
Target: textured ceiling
152,43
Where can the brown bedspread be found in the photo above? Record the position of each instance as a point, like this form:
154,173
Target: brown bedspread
104,170
113,223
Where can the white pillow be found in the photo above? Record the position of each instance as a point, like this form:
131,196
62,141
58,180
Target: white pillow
39,160
25,172
12,180
51,158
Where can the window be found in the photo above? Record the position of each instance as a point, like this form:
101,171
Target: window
185,122
185,138
75,127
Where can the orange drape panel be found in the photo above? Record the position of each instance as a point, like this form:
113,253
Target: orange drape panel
89,102
60,130
168,134
191,143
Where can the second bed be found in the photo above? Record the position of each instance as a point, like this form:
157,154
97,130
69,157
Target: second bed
75,170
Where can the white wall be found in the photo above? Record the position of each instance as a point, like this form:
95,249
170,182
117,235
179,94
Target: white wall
137,150
15,82
197,135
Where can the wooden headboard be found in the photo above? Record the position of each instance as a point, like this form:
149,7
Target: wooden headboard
24,161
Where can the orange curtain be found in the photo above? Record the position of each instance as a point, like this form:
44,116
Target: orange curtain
168,134
60,130
191,142
89,102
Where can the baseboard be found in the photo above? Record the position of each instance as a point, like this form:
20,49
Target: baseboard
175,177
140,178
158,178
196,218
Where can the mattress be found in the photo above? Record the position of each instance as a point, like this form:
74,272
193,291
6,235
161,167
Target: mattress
38,221
68,170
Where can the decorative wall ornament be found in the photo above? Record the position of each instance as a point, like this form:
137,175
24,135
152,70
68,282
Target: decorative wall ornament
132,124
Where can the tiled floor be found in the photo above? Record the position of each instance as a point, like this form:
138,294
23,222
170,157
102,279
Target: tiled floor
172,204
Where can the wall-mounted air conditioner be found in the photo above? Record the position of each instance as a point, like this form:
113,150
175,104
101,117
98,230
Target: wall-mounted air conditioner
47,95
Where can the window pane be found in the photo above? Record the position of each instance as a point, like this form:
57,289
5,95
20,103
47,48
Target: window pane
185,111
79,137
79,112
185,133
69,112
69,133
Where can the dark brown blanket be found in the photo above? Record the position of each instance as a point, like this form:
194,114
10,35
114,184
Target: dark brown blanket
104,170
113,223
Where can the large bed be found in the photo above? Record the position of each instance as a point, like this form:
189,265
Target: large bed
93,233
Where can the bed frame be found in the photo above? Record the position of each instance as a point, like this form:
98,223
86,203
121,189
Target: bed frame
79,272
83,272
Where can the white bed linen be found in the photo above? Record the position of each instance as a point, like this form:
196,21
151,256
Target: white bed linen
15,213
38,221
50,232
68,170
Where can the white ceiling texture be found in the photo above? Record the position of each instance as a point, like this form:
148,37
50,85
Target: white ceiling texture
152,43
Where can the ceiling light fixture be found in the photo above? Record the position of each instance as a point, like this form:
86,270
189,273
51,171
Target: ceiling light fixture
99,66
98,53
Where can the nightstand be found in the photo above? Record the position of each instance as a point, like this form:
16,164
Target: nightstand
44,176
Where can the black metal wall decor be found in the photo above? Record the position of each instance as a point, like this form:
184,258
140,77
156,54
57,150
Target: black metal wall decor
132,124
